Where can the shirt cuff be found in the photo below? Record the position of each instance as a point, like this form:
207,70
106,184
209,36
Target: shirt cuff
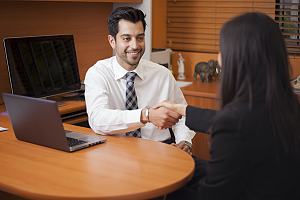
186,138
134,116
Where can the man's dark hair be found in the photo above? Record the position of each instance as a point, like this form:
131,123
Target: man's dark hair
126,13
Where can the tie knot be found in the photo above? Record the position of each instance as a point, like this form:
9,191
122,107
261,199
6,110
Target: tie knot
130,76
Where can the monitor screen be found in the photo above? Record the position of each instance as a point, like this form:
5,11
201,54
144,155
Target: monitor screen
42,66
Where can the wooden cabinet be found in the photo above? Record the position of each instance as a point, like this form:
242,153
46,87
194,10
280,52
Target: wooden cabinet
295,64
204,95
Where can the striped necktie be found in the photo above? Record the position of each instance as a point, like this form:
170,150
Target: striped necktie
131,99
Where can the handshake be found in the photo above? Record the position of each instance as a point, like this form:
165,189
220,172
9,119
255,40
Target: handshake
165,114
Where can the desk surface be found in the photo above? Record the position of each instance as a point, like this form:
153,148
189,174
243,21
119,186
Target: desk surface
209,90
122,168
200,89
71,106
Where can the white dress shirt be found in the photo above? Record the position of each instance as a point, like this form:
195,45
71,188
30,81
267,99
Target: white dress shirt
105,96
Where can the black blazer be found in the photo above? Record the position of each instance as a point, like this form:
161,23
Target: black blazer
245,161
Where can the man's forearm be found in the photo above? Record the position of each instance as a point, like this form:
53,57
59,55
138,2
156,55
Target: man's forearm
109,121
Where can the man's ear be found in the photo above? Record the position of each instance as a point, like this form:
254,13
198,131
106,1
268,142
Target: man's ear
112,41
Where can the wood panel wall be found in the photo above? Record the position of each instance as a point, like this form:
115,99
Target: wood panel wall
159,40
159,22
86,21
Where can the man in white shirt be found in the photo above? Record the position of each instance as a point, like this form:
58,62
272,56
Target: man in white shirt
105,87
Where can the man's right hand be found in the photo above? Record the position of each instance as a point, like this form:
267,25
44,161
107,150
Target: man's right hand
163,117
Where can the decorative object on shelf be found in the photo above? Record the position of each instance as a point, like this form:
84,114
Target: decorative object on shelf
180,63
296,84
207,71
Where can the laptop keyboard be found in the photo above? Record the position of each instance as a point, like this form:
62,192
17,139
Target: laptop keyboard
73,142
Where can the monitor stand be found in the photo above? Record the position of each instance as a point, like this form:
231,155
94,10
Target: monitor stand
79,95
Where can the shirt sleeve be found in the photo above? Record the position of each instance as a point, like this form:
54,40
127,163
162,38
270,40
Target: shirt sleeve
199,119
181,131
226,169
102,118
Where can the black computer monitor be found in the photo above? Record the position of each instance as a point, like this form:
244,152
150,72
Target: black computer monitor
42,66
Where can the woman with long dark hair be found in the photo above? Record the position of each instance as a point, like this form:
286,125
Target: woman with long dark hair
255,137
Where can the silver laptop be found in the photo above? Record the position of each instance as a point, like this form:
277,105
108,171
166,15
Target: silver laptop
38,121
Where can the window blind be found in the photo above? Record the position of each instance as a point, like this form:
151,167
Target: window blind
194,25
287,16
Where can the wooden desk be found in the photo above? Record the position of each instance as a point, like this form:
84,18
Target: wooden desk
71,106
122,168
73,111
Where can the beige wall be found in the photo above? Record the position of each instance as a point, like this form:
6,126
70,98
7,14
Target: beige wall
86,21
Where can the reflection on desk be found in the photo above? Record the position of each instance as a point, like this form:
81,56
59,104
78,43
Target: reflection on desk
122,168
183,83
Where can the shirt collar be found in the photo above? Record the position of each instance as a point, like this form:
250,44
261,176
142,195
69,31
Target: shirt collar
120,72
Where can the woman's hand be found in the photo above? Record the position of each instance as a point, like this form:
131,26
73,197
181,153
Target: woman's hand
179,108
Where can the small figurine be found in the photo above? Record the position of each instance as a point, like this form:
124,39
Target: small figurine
296,84
180,63
207,71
